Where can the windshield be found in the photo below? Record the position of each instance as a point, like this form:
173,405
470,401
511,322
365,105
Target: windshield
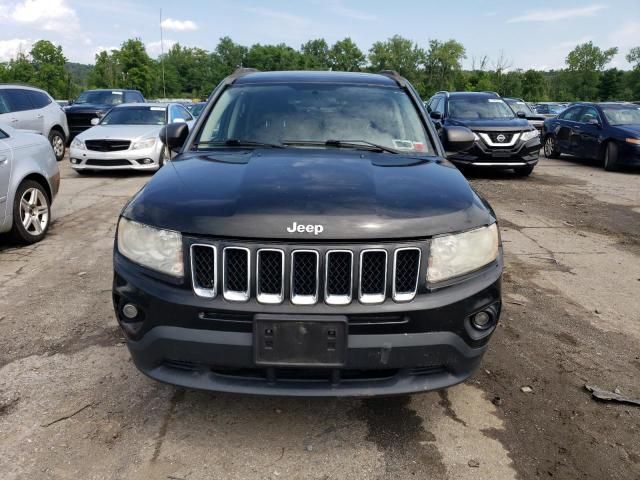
100,97
196,109
479,108
520,106
622,115
136,116
316,113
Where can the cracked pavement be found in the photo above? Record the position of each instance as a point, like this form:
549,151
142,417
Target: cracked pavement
72,405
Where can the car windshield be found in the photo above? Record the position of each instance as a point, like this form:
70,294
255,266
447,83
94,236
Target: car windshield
196,109
100,97
520,106
136,116
479,108
315,114
622,114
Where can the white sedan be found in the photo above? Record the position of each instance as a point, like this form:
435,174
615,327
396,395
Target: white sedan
126,138
29,181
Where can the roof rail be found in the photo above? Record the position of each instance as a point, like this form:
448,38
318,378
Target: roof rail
494,93
442,91
392,74
240,72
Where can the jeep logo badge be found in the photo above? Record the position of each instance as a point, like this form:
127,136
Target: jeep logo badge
501,138
315,229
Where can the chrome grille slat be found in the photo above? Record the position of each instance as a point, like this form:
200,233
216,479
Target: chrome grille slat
305,273
270,275
347,273
373,275
236,268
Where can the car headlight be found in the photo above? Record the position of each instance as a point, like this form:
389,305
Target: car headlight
77,143
454,255
144,143
151,247
528,135
635,141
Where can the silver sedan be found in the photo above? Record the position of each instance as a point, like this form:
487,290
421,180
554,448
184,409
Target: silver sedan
29,181
126,138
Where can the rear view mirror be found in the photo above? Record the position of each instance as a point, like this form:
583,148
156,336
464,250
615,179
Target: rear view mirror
521,115
457,139
95,121
435,115
174,135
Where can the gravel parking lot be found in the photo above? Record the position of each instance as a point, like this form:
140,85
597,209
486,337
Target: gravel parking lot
72,405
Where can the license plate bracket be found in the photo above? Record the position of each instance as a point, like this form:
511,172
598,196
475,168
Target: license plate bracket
300,341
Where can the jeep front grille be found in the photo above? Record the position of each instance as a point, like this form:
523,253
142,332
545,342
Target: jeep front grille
306,275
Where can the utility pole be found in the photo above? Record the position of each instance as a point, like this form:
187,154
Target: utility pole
164,87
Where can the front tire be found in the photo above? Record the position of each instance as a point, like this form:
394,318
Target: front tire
31,213
611,157
524,171
58,143
551,148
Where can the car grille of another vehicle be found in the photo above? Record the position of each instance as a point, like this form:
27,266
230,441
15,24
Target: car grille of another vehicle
305,275
112,162
80,121
107,145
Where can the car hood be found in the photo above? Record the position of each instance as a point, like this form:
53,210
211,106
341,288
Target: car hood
352,194
506,125
87,108
120,132
632,129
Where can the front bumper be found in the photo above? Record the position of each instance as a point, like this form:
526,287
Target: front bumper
628,154
140,159
185,340
481,155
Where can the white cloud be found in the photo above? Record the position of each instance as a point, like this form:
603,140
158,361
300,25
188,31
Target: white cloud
10,48
154,50
554,15
338,7
178,25
290,19
50,15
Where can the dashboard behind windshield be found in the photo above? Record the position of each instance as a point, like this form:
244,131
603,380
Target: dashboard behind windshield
136,116
308,112
479,108
101,98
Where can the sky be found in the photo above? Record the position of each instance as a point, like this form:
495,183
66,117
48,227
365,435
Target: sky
533,34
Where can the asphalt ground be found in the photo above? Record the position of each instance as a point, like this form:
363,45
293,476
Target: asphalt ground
72,405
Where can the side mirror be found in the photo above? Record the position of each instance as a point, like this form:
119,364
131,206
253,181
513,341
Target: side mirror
521,115
436,115
594,122
457,139
95,121
174,135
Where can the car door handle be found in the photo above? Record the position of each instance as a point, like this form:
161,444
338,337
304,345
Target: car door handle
14,120
40,116
3,159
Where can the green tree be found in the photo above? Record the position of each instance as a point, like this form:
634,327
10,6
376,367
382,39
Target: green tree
106,72
345,56
611,85
137,68
584,64
399,54
49,73
443,65
633,78
273,57
315,55
534,86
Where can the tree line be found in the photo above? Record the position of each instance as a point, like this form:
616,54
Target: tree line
193,72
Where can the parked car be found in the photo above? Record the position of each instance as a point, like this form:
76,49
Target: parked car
196,108
519,105
606,131
504,140
549,109
29,108
29,181
95,104
309,239
126,138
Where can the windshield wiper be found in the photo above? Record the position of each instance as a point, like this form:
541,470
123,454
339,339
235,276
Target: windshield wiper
237,142
344,144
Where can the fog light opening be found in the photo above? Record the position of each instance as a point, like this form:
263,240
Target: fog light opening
147,161
130,311
75,161
481,320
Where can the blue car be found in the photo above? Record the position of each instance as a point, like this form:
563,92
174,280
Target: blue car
608,131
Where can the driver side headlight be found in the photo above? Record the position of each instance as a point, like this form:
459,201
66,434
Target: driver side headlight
144,143
528,135
151,247
77,143
454,255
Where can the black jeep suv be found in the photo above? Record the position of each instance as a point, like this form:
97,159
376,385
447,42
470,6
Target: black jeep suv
92,104
309,239
504,139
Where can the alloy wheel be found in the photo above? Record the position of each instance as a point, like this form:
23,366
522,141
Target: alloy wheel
34,211
58,145
549,147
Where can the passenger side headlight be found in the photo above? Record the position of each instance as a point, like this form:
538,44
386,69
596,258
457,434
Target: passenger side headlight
528,135
454,255
151,247
144,143
77,143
